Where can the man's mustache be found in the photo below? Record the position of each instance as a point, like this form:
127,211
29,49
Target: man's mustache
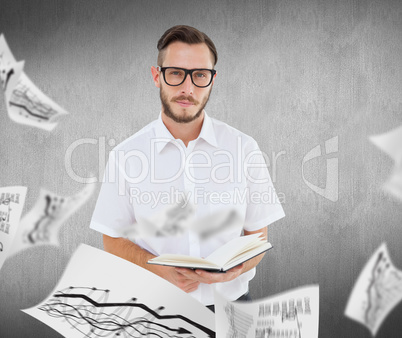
184,98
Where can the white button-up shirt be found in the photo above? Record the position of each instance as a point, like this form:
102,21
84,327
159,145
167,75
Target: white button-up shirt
222,168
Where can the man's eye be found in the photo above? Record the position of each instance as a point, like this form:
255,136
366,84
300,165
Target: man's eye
176,73
200,75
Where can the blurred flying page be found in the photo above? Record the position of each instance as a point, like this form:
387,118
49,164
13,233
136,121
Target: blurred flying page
102,295
176,219
170,221
292,314
12,201
391,143
229,255
376,292
26,103
41,225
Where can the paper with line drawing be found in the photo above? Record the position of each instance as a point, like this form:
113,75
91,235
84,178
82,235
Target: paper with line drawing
102,295
25,102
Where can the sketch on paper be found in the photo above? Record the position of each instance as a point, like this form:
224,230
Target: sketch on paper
376,292
391,143
89,312
292,314
6,61
41,225
10,69
6,72
128,301
12,201
26,104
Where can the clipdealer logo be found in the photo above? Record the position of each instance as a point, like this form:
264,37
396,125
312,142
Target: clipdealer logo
330,147
330,191
225,165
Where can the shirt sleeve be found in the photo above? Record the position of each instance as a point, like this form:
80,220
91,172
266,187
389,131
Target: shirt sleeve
113,210
263,206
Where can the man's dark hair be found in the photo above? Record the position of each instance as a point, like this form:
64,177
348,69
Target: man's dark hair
184,34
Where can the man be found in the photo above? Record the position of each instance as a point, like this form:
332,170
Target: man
187,152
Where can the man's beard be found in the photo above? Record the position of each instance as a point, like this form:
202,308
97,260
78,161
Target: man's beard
182,119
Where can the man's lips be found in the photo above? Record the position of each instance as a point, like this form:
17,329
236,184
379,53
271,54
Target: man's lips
184,103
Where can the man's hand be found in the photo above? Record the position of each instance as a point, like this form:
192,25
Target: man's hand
132,252
206,277
186,279
179,279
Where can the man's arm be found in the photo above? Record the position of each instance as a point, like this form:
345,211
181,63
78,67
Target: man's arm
210,277
132,252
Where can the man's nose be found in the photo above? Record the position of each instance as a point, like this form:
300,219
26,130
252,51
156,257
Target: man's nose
187,86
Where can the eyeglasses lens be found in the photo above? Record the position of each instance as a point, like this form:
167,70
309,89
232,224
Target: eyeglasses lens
175,76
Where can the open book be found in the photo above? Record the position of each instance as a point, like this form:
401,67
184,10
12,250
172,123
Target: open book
233,253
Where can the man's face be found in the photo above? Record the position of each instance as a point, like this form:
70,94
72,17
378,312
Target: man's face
184,103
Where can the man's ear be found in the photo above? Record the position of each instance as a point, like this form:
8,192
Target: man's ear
213,80
155,76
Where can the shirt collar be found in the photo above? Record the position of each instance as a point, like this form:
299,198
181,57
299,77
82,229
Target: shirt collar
164,136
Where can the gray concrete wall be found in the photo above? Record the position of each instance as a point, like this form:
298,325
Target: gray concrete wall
293,74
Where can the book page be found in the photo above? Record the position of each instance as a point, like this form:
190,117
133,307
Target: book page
182,260
231,249
248,254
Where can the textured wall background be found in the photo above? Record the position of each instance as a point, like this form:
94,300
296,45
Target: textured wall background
292,74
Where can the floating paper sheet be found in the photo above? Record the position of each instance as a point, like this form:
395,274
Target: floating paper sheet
171,221
6,63
12,201
391,143
102,295
41,225
376,292
292,314
394,184
26,104
11,82
223,220
179,218
10,69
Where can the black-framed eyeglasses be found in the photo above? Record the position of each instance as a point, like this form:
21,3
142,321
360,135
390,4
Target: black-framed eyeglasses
200,77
